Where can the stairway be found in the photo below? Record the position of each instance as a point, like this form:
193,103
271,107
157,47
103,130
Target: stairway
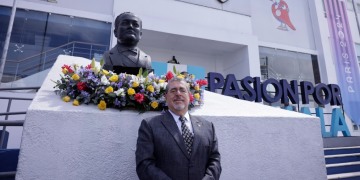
343,162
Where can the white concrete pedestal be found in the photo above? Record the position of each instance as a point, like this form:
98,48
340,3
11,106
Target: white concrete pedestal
66,142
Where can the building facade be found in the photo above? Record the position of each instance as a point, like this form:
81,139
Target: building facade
239,37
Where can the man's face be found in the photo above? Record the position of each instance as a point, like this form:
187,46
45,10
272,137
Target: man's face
177,97
129,30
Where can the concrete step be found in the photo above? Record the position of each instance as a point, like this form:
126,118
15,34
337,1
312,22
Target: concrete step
339,168
345,176
342,150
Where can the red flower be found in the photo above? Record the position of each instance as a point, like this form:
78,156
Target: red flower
202,82
68,68
191,97
81,86
169,76
88,66
139,97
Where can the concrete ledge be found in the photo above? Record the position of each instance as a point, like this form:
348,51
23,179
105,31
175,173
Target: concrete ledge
341,141
61,141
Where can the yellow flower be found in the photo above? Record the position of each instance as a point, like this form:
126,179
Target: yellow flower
181,76
76,102
66,98
197,88
114,78
196,95
65,71
104,72
131,91
189,84
192,76
102,105
150,88
76,77
135,84
154,104
109,90
161,81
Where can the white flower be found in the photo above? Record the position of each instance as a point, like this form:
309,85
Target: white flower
196,103
163,85
142,80
120,92
157,87
104,80
151,75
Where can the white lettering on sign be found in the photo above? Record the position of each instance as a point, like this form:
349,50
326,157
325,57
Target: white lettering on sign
344,55
350,89
347,70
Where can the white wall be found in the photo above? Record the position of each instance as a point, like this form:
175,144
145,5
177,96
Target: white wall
237,6
186,19
264,24
193,59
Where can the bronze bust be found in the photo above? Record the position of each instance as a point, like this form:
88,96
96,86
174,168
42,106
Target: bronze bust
128,31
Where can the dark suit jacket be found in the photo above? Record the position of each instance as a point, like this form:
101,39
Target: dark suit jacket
161,153
113,57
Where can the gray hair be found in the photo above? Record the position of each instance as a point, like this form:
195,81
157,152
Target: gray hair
179,80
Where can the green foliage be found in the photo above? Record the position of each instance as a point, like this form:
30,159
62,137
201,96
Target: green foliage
101,62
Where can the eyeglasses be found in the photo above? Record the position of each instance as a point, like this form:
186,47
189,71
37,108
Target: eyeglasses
181,90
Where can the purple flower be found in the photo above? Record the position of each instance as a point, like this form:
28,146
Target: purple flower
112,83
119,85
142,91
163,112
117,102
122,75
84,93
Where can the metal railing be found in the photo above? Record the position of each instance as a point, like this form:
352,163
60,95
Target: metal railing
6,122
42,61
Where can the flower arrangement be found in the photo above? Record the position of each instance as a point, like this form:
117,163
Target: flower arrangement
144,92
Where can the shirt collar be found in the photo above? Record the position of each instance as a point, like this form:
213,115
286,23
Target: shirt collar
176,117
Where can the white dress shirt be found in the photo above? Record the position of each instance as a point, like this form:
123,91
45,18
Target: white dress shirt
187,121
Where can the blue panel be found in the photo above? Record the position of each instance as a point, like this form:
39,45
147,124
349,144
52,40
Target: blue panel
9,160
198,71
343,169
159,68
342,151
342,159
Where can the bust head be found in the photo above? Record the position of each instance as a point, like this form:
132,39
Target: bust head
128,29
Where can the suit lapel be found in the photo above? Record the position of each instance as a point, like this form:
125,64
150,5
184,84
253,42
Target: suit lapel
169,123
197,125
111,54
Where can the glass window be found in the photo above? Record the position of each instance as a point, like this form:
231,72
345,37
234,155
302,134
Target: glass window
357,49
281,64
349,5
38,38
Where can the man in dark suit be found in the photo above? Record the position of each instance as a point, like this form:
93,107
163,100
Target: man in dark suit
128,31
176,145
